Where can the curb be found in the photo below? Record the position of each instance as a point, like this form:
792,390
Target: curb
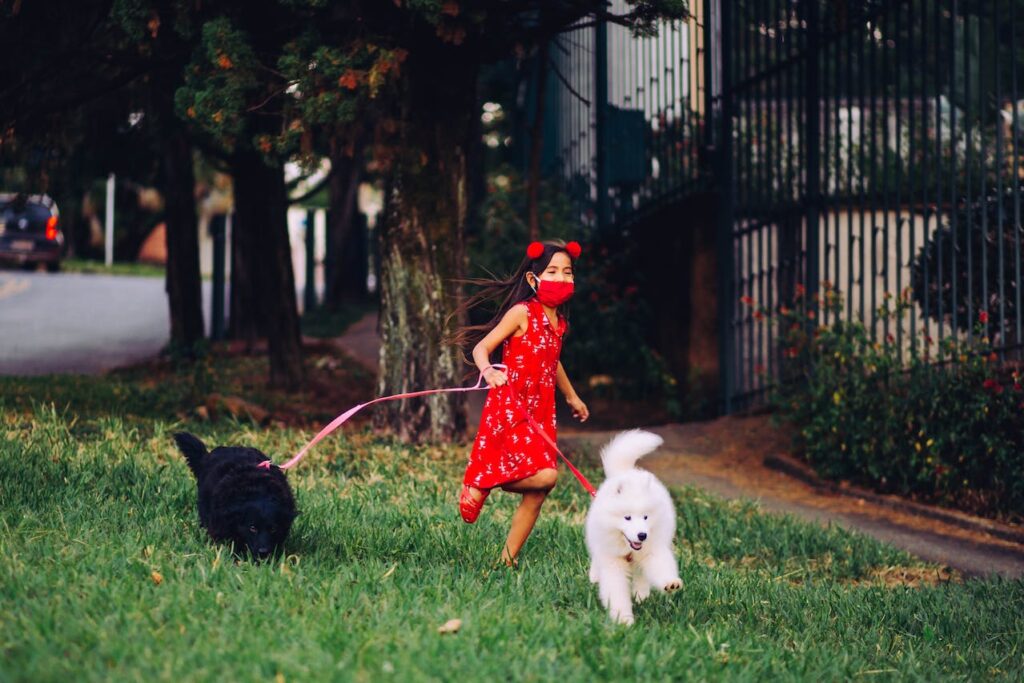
798,470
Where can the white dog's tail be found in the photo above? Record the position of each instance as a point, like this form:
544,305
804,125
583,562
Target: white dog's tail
626,448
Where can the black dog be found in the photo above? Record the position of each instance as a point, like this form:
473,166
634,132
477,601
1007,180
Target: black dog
239,502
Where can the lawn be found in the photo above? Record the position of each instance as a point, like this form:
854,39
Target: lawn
106,574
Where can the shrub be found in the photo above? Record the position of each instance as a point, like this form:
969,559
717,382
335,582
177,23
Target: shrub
940,422
977,262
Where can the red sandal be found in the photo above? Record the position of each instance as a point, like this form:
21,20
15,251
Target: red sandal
469,507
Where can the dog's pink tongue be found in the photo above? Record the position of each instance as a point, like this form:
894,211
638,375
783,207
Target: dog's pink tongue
635,546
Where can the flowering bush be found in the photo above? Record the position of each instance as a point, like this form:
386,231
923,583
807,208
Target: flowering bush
941,422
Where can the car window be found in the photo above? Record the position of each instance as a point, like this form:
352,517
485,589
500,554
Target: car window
36,215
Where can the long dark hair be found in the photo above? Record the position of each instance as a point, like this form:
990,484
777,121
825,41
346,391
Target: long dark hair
508,292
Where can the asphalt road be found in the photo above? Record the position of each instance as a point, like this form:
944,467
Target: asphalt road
76,323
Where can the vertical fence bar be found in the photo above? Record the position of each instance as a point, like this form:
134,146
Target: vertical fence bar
1000,165
898,130
600,104
937,171
886,194
968,200
812,114
954,271
1016,179
718,21
837,170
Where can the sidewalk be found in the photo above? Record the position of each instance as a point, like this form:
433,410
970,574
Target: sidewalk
727,457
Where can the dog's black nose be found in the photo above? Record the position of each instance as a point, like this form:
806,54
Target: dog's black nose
642,536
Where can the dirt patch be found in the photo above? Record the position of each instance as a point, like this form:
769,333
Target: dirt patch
234,375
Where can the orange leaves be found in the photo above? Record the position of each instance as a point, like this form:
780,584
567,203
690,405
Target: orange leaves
224,62
350,79
385,63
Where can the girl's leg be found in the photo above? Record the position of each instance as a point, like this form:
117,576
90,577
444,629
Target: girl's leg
534,489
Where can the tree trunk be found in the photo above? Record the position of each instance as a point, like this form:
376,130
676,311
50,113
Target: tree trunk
183,283
244,320
422,250
265,278
344,285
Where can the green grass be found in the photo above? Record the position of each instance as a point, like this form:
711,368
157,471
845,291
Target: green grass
79,265
94,506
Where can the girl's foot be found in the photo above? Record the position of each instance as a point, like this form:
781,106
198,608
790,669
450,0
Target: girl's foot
471,502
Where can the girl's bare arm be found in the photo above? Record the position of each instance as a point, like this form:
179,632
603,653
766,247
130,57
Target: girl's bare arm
579,408
515,320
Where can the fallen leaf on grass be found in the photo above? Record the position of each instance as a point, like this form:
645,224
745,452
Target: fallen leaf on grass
390,572
157,577
450,626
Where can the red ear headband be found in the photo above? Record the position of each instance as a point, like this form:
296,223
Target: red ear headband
536,249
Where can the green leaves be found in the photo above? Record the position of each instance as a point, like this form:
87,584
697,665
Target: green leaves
940,421
222,83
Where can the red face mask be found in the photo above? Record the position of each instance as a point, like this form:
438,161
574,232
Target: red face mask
551,293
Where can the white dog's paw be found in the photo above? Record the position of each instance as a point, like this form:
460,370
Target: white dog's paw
641,593
673,585
626,619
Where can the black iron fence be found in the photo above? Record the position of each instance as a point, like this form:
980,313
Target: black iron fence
874,146
625,124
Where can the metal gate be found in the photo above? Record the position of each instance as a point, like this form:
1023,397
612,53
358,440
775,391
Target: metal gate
871,146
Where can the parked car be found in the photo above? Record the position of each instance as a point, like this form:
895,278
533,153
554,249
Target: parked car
30,231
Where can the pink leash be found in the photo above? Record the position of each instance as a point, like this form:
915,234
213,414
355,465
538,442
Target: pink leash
479,386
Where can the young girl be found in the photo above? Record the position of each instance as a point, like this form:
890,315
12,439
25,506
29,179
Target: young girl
507,452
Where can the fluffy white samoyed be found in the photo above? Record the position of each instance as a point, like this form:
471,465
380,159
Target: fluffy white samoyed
630,527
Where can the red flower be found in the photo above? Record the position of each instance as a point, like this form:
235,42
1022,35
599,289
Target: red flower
800,291
982,317
758,315
993,357
810,315
759,369
746,300
992,385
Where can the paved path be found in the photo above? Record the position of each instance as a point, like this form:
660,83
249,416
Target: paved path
726,457
79,323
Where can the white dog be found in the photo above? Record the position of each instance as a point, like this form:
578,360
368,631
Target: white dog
630,527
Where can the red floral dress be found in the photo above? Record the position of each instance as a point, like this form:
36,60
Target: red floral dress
507,447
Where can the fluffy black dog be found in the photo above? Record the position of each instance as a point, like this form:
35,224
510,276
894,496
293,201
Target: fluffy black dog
248,506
